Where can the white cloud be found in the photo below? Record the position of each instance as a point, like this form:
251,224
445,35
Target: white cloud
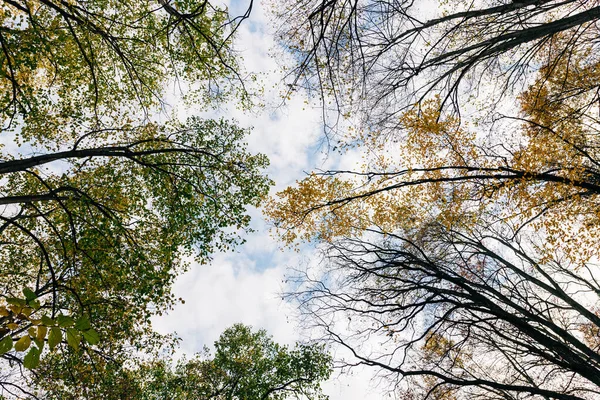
234,288
228,291
246,286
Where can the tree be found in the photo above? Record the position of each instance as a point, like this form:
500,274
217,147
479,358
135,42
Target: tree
539,167
460,315
67,64
246,365
467,246
372,59
103,205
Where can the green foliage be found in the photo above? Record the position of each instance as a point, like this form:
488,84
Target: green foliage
21,315
32,359
246,365
6,344
65,64
102,207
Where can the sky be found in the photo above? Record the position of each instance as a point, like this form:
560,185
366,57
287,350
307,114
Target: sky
246,285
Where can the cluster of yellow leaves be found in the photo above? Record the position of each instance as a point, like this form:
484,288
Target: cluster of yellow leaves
420,175
436,348
438,392
310,210
433,140
591,333
561,133
322,207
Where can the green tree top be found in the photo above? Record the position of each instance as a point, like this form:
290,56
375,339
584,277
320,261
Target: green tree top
68,64
246,364
103,208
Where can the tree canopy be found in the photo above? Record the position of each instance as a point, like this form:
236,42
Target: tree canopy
467,239
373,59
69,65
105,197
246,364
459,259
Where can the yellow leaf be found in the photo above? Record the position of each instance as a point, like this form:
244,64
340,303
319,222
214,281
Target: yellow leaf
23,343
41,332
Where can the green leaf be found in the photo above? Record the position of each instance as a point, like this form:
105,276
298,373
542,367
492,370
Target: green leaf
6,344
48,321
55,337
39,343
65,321
23,343
27,311
41,332
91,336
29,294
32,359
73,338
83,323
35,304
16,302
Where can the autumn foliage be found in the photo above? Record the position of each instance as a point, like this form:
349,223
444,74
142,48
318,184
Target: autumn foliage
467,237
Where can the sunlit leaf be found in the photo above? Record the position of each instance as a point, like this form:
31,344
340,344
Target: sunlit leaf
35,304
65,321
15,301
73,338
41,332
91,336
83,323
6,344
23,343
55,337
32,358
29,294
